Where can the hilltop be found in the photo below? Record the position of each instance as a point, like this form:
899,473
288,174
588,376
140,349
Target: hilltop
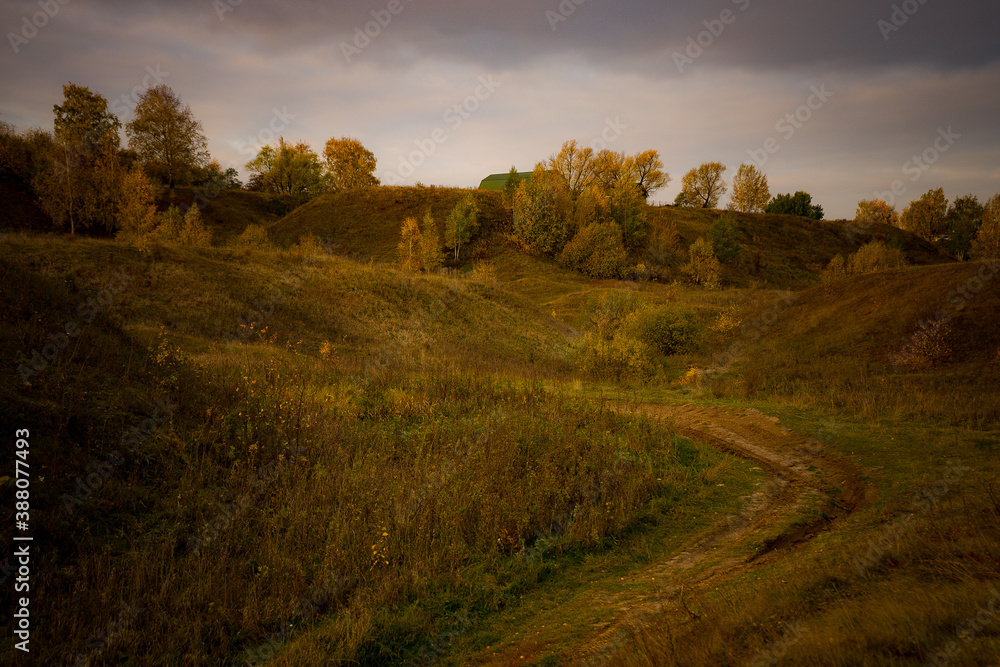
779,251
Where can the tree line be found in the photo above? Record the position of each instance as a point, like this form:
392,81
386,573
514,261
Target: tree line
84,178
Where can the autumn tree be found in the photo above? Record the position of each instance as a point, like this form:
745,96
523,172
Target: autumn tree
575,164
84,132
876,212
703,186
962,222
136,215
646,169
193,232
625,207
609,167
725,238
349,164
750,191
926,216
799,204
542,209
431,257
986,245
287,169
408,249
510,187
165,134
462,223
703,266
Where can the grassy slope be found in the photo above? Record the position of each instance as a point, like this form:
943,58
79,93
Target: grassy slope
228,212
793,251
392,414
365,224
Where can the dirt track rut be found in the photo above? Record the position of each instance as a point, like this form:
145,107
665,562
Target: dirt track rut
800,469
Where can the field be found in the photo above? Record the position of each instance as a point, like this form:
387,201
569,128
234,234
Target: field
300,454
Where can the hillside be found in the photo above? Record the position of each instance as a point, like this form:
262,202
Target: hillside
919,342
365,224
228,212
779,251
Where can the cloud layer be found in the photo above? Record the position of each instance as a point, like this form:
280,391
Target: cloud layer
695,81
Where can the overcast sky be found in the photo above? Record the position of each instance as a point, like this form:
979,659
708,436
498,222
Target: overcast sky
848,92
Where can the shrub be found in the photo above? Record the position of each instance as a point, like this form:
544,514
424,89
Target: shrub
541,212
619,358
873,257
597,251
193,232
253,237
703,267
725,237
836,269
409,246
670,329
431,256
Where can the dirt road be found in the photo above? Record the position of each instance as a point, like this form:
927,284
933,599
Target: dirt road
801,470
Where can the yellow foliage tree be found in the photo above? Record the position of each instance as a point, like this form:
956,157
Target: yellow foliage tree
986,245
703,186
350,164
408,249
876,212
137,217
431,255
751,193
925,216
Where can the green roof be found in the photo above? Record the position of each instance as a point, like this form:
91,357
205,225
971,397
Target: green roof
499,181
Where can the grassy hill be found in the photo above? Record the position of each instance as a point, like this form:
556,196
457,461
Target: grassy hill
365,224
779,251
919,342
228,212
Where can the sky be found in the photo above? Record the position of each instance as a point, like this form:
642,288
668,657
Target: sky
844,99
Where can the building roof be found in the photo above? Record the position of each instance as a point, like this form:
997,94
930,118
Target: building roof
499,181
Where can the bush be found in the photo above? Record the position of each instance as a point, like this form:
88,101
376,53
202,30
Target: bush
253,237
703,267
597,251
619,358
873,257
193,232
725,237
670,330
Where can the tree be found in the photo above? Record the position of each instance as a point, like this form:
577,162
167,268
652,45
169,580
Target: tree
350,164
647,172
165,134
462,224
431,257
597,251
194,233
725,238
876,212
986,245
703,266
510,188
83,120
609,167
542,209
750,191
799,204
962,222
408,249
66,188
625,207
287,170
575,164
703,186
926,216
137,214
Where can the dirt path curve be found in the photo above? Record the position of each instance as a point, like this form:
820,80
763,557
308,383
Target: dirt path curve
800,470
